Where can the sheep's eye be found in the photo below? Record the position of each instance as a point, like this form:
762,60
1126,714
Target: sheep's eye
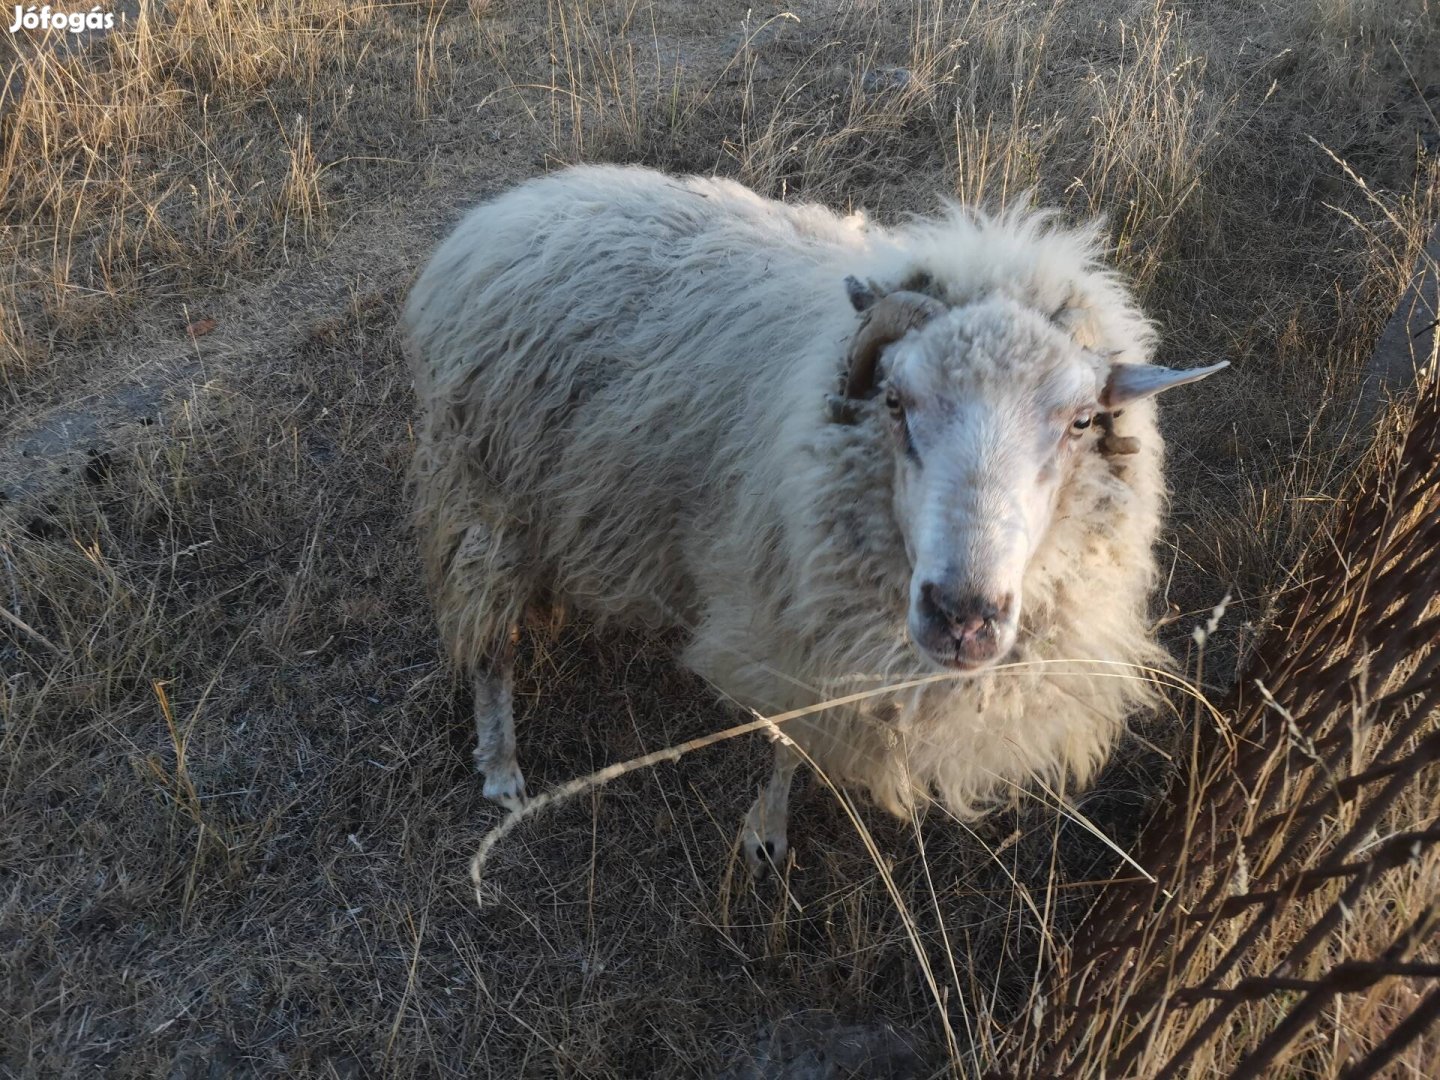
1081,423
893,402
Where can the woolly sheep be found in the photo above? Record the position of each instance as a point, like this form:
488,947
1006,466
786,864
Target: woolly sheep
628,392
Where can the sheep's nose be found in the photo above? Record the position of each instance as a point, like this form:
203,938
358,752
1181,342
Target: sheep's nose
970,618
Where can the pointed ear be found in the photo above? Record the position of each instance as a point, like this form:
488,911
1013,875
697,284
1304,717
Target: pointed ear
1134,382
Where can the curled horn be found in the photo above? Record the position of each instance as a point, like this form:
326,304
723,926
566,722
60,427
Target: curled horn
888,317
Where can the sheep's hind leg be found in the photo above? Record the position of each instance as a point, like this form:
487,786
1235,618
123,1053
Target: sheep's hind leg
764,839
495,731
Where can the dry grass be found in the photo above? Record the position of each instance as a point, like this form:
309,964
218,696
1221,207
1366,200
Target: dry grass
177,154
235,790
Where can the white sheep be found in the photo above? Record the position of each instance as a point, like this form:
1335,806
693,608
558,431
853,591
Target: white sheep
627,385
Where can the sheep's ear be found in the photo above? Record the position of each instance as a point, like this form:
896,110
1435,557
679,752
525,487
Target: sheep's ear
1133,382
862,296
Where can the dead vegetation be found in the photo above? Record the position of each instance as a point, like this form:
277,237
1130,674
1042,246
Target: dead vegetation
236,803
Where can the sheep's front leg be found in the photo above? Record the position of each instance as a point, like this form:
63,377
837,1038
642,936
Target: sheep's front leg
764,840
495,731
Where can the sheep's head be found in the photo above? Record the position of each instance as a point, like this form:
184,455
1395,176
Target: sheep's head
990,407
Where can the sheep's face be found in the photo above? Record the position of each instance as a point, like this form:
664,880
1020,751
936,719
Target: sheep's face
989,408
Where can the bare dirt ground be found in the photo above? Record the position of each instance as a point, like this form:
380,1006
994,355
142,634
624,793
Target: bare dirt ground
236,807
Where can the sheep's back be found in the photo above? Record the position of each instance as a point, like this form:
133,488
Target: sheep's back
603,348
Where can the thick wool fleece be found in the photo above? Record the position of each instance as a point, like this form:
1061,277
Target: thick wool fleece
623,381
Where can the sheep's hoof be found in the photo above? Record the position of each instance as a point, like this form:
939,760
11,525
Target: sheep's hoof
506,786
764,853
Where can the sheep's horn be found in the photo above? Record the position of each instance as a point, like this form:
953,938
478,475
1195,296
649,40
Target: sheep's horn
889,319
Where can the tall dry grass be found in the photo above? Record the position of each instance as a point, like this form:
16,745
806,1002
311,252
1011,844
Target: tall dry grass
175,154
